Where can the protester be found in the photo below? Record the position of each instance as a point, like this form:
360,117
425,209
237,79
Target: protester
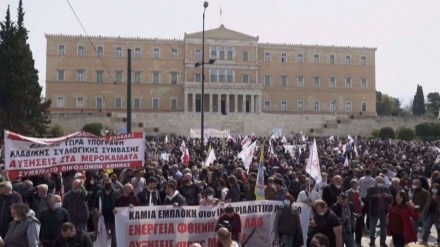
190,190
431,214
332,191
127,198
8,197
287,225
308,195
149,196
208,198
173,197
269,190
71,237
116,185
104,205
379,198
41,199
281,190
419,199
327,223
233,191
75,204
223,189
24,230
364,183
344,209
232,221
319,240
51,219
225,238
355,199
400,220
138,181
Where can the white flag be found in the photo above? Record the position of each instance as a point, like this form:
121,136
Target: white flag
303,138
350,139
284,140
356,151
247,154
166,139
210,158
346,162
313,167
245,142
331,138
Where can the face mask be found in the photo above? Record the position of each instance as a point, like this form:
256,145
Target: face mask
321,214
414,187
210,197
434,191
58,205
380,185
273,186
286,203
108,187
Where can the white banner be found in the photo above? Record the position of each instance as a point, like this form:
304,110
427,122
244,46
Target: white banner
169,226
195,133
28,156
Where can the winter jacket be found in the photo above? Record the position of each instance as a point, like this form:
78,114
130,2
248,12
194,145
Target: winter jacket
76,206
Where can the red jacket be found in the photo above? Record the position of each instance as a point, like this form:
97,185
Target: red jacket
408,214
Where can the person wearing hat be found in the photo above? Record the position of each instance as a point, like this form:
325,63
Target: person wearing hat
231,220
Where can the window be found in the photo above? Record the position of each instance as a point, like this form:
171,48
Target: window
267,57
79,102
364,106
174,53
316,81
155,103
214,52
198,77
348,106
283,57
118,103
317,106
348,83
137,103
300,105
80,75
333,105
316,58
348,59
60,75
267,105
363,60
300,58
156,53
137,52
230,53
283,105
332,59
100,51
137,77
245,78
99,76
198,54
61,50
118,77
222,53
245,56
332,82
284,81
99,102
221,77
118,51
173,104
173,76
156,77
267,80
81,50
230,75
300,81
213,75
364,83
60,101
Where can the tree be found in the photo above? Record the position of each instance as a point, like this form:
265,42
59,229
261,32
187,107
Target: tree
387,105
433,103
419,108
21,108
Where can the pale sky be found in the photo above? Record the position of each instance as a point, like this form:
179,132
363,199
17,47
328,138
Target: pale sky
406,33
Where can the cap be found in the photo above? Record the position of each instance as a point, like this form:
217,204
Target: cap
229,209
78,175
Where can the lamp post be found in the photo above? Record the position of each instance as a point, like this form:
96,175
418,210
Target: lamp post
202,106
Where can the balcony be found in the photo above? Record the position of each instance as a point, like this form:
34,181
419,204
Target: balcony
224,85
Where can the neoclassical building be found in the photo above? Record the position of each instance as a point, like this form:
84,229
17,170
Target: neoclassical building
247,77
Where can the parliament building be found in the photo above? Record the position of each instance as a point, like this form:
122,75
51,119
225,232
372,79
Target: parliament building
247,77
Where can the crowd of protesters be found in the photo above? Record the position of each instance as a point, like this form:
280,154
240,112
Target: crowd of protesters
365,182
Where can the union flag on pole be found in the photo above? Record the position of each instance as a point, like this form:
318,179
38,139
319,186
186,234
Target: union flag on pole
313,167
185,153
259,187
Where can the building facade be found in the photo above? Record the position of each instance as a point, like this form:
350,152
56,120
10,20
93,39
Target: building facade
247,76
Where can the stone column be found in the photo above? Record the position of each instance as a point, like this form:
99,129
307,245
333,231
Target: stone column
210,102
244,103
236,103
185,103
219,103
259,104
227,103
252,104
194,102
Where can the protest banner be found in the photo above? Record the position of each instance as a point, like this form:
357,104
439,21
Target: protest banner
169,226
28,156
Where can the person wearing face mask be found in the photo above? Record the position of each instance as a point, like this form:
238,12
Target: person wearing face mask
75,204
431,214
325,222
24,230
231,219
208,198
344,209
127,199
319,240
70,236
419,198
355,199
379,197
331,192
287,225
51,219
104,205
270,190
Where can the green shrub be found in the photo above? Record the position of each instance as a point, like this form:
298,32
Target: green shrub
405,134
375,133
56,131
387,132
